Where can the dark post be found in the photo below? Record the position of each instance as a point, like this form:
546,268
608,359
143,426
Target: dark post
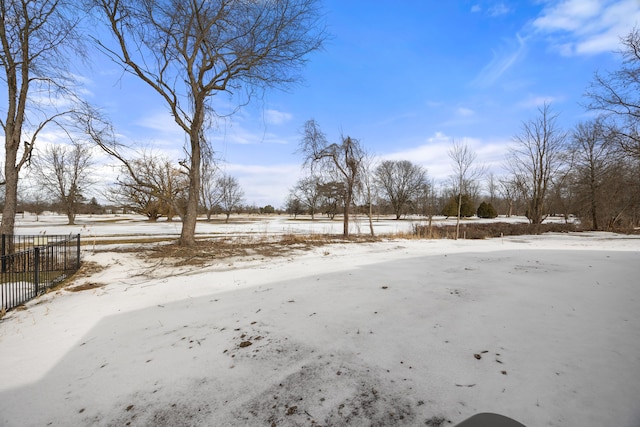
78,252
36,268
4,252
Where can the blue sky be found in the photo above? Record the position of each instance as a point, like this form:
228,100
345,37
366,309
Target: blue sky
406,78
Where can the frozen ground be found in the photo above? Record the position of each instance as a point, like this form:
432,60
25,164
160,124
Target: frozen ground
543,329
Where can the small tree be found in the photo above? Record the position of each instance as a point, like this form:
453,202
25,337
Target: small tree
343,160
307,192
486,210
268,209
64,172
465,174
459,206
231,195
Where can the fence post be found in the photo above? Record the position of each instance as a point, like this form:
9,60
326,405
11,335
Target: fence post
78,252
36,267
4,249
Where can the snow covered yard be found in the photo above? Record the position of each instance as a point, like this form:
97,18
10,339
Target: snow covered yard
543,329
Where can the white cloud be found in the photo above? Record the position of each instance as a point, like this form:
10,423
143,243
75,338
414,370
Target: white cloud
535,101
465,112
578,27
276,117
501,62
433,154
499,9
265,185
476,8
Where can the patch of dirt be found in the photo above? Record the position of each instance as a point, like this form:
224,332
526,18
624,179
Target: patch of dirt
207,252
85,287
88,268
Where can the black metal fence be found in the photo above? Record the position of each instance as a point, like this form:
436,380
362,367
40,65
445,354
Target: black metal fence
31,264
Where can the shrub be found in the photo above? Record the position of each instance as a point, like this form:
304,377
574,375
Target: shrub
451,208
486,210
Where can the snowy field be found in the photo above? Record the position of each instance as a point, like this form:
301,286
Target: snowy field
544,329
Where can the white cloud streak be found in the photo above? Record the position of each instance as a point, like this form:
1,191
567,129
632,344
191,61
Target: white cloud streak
586,27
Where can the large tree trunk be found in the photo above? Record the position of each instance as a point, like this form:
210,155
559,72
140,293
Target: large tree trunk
10,197
347,205
12,142
188,233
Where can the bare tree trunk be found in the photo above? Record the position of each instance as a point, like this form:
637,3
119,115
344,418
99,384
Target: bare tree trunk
459,212
10,197
187,235
347,205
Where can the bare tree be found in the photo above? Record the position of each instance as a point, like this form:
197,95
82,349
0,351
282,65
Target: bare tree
595,160
617,95
64,172
367,186
344,159
536,159
231,195
508,189
209,193
465,174
307,191
36,38
401,181
189,51
151,186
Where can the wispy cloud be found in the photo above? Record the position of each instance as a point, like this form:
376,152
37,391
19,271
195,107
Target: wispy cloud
495,10
499,9
264,185
433,154
580,27
534,101
502,61
276,117
465,112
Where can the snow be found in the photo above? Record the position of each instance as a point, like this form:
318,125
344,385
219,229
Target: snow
382,333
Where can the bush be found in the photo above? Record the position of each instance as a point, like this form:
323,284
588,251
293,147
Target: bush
486,210
451,208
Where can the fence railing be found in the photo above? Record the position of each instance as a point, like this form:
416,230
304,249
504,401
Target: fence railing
31,264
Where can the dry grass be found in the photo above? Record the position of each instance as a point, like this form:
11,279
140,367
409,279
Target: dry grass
209,251
492,230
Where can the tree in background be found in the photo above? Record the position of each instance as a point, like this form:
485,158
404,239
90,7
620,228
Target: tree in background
188,52
37,38
537,159
343,160
209,193
307,192
464,177
231,195
459,206
400,181
594,158
617,95
486,210
151,186
65,172
332,196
